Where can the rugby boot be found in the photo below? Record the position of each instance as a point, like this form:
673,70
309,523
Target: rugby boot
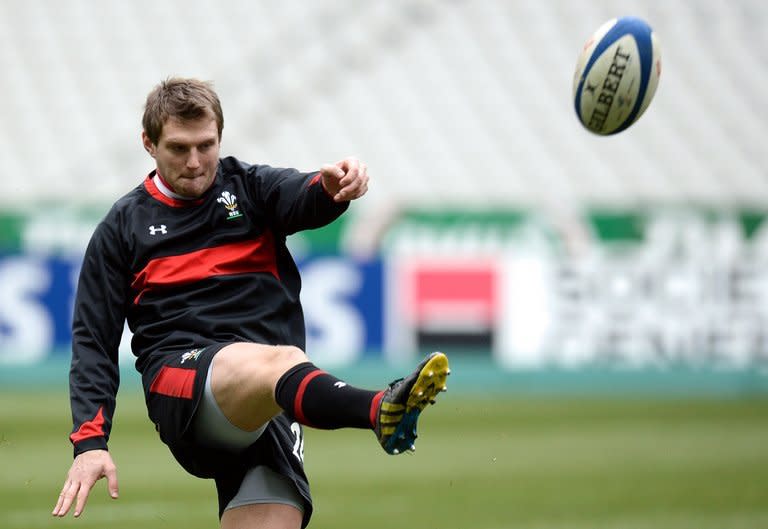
404,400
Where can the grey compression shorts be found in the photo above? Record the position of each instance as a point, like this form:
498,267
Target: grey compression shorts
260,484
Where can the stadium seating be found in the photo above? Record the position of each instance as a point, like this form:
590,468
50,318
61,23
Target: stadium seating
455,102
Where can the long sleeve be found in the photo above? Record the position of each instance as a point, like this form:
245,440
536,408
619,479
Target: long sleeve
99,316
296,200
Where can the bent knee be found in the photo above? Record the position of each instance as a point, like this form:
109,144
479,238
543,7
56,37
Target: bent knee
283,357
291,354
257,361
243,379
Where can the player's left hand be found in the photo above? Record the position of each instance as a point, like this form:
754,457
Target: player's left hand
345,180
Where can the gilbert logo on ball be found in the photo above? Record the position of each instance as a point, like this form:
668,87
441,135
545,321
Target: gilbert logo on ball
616,75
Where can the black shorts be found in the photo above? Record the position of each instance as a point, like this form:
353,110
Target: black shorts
173,386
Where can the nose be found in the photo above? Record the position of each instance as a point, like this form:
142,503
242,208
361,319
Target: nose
193,160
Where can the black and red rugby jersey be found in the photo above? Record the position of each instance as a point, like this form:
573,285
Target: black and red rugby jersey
187,274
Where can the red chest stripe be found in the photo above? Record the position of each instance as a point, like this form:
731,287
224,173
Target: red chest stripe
256,255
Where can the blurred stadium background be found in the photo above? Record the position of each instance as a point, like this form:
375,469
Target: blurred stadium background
604,300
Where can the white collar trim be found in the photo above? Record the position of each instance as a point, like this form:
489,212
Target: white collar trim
165,190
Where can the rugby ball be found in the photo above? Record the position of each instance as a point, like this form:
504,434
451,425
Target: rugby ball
616,75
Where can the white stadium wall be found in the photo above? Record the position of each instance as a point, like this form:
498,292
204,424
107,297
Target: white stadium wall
457,102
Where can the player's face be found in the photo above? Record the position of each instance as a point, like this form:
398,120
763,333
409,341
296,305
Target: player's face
187,154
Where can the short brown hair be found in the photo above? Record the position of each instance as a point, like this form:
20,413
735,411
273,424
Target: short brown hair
180,98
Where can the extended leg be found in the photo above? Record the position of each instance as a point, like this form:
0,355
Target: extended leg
252,383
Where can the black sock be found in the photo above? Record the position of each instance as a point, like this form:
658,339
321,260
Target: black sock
315,398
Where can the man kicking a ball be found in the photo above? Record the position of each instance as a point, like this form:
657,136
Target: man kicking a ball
195,260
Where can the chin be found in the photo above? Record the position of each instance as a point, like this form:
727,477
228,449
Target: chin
197,189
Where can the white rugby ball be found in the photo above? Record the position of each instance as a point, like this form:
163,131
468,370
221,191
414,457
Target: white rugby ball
616,75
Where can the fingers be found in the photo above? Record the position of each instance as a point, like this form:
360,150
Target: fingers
58,509
87,469
67,496
351,177
332,171
111,474
82,498
354,189
76,492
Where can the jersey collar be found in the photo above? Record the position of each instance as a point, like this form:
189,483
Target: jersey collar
157,188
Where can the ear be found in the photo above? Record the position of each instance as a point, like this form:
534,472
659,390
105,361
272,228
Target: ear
150,147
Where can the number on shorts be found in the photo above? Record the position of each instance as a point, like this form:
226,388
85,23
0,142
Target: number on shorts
298,445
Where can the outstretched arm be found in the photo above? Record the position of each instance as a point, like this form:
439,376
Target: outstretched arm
86,470
294,201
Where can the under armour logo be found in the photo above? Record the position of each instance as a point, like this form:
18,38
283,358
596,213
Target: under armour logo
340,384
154,231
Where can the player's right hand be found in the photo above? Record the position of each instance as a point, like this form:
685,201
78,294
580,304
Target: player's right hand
86,470
345,180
